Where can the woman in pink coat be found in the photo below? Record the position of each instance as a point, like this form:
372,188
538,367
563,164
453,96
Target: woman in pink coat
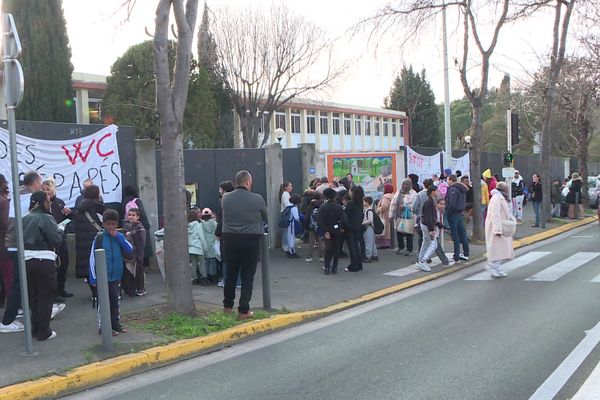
499,247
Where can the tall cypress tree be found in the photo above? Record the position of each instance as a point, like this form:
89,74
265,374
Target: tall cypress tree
46,60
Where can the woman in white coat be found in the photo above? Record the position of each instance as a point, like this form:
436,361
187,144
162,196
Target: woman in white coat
498,233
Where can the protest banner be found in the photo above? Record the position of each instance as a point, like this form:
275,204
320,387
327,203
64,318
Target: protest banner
422,166
70,162
462,164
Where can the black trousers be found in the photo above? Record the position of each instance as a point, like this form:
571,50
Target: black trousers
409,240
333,247
41,283
114,288
353,242
241,257
63,264
13,303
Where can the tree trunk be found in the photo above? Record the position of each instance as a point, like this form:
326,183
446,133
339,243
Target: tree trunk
475,159
546,212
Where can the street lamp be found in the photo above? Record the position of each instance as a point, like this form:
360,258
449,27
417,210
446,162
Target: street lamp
279,134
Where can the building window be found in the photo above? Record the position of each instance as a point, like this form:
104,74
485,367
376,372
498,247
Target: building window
280,120
394,122
336,123
376,127
401,128
368,126
324,123
311,121
347,124
295,121
357,125
385,127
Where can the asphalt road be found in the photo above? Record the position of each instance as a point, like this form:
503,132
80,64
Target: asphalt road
449,339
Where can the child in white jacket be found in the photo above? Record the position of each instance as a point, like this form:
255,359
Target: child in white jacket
196,249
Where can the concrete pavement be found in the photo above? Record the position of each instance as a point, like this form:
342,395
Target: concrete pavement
291,281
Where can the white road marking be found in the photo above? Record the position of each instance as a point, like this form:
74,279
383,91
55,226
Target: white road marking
411,269
581,236
560,269
511,266
562,374
596,279
590,390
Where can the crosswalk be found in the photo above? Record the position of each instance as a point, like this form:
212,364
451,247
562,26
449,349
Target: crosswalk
552,271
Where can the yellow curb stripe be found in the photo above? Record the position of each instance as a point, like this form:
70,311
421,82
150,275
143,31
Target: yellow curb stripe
113,368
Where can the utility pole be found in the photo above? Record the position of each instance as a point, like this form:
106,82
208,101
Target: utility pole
447,126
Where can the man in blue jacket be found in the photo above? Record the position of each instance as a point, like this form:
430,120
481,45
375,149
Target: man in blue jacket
456,199
114,245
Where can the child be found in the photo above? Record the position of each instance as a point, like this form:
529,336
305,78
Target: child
315,234
439,251
369,233
114,245
290,233
134,277
196,249
209,226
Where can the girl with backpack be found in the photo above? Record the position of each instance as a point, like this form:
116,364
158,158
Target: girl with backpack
290,231
369,230
315,234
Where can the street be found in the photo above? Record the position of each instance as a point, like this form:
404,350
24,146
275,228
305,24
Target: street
461,337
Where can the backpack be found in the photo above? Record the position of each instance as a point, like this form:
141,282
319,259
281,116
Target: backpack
285,217
378,226
314,225
130,204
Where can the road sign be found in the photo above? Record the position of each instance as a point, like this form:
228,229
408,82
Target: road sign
508,172
14,83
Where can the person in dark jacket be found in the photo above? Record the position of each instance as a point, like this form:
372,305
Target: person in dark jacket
535,190
244,217
556,197
224,187
315,234
456,199
134,280
59,211
332,220
428,227
574,196
41,236
130,193
353,231
415,182
87,226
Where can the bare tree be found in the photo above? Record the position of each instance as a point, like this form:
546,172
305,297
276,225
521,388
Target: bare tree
557,56
267,59
415,15
171,98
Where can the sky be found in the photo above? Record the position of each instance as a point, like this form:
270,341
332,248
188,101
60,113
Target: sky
99,34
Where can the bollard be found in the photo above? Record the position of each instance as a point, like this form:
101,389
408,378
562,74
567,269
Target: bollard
103,302
265,272
576,205
392,235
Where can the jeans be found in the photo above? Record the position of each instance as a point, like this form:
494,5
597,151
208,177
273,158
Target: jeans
439,251
536,209
212,266
41,283
428,246
459,234
370,246
241,256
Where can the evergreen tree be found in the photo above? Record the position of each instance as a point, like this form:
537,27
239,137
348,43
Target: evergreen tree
412,94
208,66
131,98
46,60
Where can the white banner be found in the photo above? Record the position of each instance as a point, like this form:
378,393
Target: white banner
422,166
462,164
69,162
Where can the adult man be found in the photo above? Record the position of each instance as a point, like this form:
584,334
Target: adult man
456,199
518,196
244,214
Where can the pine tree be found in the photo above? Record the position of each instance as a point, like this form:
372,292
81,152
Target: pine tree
46,60
412,94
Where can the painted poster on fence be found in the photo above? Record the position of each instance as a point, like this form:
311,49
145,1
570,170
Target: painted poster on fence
462,164
70,162
369,170
422,166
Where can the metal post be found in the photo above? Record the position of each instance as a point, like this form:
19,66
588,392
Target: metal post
265,264
577,205
392,235
103,301
447,126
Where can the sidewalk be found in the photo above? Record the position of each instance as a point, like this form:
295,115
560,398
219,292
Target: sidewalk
295,285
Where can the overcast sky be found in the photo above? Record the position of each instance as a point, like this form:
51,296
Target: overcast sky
98,36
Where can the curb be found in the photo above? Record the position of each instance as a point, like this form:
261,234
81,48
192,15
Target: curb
118,367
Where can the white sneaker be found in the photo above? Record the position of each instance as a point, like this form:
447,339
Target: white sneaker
20,313
221,284
496,272
14,326
423,266
52,335
321,259
308,259
463,257
56,308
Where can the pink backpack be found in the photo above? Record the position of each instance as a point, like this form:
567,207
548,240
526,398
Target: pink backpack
130,204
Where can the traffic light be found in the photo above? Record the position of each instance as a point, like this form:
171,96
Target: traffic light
507,158
514,128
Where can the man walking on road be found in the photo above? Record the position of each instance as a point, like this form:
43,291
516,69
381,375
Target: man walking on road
456,199
244,213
